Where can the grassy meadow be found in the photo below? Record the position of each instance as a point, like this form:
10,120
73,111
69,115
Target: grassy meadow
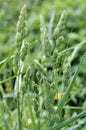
42,65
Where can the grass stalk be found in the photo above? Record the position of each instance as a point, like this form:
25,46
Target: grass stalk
31,112
18,107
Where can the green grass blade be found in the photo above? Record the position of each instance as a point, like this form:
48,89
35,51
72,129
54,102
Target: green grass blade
76,126
71,48
64,99
7,59
12,77
66,122
31,112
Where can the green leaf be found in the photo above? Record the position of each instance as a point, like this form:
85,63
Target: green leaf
66,122
64,99
4,62
76,126
10,78
71,48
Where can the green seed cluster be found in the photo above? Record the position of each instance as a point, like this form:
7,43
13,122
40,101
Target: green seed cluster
46,42
53,69
26,78
66,74
58,32
49,98
24,51
16,61
21,31
21,46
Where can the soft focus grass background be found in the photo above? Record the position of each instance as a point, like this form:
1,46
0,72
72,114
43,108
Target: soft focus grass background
75,28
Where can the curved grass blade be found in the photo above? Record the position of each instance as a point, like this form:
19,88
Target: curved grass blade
71,48
4,62
76,126
66,122
64,99
3,81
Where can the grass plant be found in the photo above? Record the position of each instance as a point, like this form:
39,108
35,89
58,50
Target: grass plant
37,82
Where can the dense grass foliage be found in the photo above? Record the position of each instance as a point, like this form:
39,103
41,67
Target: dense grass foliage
42,65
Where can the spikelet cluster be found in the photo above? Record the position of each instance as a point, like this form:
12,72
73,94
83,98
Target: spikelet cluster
21,45
46,42
50,49
66,74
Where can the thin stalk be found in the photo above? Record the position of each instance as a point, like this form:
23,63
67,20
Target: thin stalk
18,107
31,112
74,108
19,90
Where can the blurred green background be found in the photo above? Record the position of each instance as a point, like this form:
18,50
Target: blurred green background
9,12
51,11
